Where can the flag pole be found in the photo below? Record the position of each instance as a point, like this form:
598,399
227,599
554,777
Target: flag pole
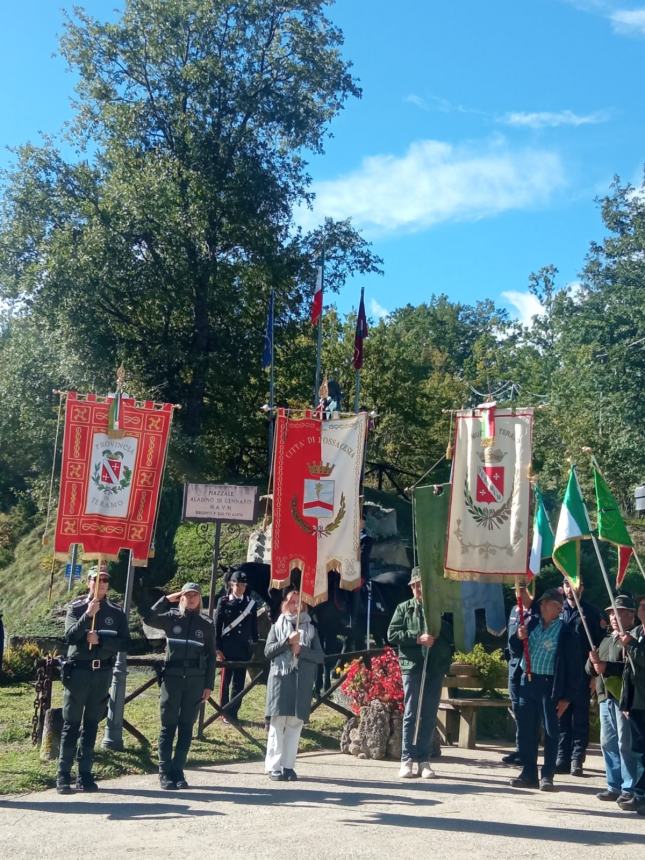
320,322
271,380
357,396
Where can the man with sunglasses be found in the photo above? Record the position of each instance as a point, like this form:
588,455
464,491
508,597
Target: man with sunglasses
95,630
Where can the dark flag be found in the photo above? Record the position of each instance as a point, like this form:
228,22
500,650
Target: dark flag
361,333
267,355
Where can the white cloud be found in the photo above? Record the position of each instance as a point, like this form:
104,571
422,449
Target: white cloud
526,305
435,182
628,22
378,311
552,119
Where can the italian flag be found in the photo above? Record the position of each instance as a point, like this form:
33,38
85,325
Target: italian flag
316,501
611,526
542,546
573,526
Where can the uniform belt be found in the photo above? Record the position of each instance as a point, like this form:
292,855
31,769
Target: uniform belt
93,665
183,664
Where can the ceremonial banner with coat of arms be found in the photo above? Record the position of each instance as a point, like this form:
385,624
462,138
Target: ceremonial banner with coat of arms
316,509
488,526
110,481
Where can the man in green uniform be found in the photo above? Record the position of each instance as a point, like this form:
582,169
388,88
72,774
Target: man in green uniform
95,629
188,676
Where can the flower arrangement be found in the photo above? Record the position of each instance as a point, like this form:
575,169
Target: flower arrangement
380,679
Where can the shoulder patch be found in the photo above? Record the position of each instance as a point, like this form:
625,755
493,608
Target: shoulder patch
205,617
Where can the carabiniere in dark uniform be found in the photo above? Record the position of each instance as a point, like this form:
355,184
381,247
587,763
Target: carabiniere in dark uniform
86,676
236,629
188,675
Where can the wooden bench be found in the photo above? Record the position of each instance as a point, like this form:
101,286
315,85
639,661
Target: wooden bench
457,717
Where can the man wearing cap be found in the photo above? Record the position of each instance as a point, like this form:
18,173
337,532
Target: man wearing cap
188,676
95,630
545,694
236,629
607,664
407,631
632,703
574,723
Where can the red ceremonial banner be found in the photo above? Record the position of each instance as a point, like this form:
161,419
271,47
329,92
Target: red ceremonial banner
316,501
109,486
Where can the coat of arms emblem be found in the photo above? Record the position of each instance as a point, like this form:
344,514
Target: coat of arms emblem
110,472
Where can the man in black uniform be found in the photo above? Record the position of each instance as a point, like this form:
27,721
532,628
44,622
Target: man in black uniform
188,676
236,629
574,722
95,629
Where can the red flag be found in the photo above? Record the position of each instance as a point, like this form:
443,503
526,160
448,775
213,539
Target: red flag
110,481
362,332
316,520
624,555
317,303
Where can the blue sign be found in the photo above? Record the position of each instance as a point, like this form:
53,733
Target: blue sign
77,571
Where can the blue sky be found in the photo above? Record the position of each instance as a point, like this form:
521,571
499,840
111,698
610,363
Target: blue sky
485,132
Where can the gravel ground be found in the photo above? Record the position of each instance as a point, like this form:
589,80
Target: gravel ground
340,808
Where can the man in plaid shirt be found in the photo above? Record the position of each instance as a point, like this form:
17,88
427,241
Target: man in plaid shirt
545,694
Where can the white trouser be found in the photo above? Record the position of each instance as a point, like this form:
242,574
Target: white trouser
282,743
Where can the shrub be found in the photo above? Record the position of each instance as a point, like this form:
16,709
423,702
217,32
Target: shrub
380,679
19,662
492,668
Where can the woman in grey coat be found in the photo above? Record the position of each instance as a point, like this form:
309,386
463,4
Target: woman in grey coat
295,655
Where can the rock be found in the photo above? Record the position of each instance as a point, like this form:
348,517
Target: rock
374,729
396,736
346,736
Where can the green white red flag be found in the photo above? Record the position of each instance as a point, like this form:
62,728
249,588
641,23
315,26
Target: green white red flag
611,526
573,527
543,542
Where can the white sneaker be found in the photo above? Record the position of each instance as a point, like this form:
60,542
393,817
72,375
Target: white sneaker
407,770
425,771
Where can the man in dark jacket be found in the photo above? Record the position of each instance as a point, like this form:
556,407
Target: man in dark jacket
236,629
545,695
408,632
95,630
188,676
607,664
574,722
514,677
632,703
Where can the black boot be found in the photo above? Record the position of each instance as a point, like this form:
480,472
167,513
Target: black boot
180,779
85,782
167,782
64,783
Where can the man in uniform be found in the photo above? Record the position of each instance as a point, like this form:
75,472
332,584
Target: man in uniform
95,630
236,629
574,722
188,676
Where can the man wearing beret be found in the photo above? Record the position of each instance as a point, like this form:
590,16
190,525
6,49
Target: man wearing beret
95,630
236,629
545,694
188,676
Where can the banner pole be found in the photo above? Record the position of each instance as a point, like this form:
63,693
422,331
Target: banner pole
357,396
113,738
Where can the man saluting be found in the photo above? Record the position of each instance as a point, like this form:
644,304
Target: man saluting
95,630
188,676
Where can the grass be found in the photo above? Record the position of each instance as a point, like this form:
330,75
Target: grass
22,770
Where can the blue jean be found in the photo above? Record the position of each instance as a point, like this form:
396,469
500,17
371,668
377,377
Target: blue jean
622,764
536,705
430,705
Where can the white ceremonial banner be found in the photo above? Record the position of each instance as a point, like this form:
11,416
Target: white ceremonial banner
488,525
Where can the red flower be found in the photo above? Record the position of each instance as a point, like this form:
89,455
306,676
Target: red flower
381,680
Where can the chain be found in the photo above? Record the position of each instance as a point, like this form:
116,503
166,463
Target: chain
43,697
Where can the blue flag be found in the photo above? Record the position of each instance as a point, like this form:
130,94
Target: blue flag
267,355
